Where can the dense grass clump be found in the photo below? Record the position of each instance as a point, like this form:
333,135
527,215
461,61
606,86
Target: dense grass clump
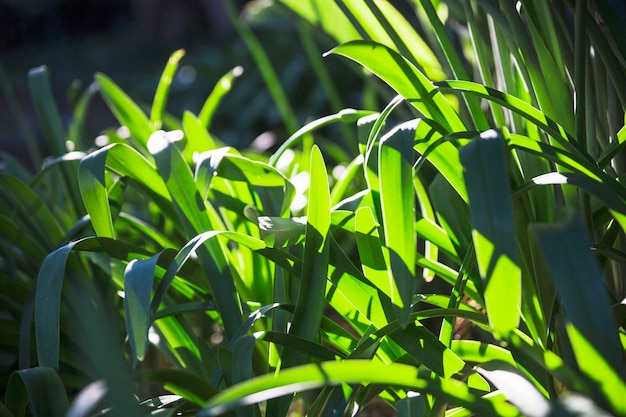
457,251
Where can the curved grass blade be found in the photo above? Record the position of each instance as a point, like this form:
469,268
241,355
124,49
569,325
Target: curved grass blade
163,89
222,87
406,79
350,372
50,283
520,107
138,279
344,116
518,390
41,388
493,229
123,160
125,110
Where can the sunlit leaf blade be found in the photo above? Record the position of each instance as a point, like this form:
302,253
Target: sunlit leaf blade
406,79
197,216
370,246
41,388
365,19
125,110
519,390
222,87
579,284
88,399
397,204
493,229
310,302
163,89
198,137
350,371
123,160
344,116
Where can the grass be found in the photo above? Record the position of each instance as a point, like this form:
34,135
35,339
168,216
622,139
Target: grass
233,280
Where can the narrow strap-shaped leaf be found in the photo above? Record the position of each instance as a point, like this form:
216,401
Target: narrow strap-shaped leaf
197,216
48,291
163,89
222,87
344,116
310,303
398,210
47,111
493,229
406,79
579,284
125,109
374,260
138,279
519,390
350,371
33,214
520,107
41,388
123,160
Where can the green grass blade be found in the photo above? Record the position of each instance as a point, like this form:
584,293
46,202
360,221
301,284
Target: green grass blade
578,282
518,390
198,137
80,113
493,229
42,388
520,107
344,116
48,306
47,111
265,67
163,89
310,302
455,61
138,278
222,87
350,371
397,205
125,109
181,382
33,214
373,260
123,160
406,80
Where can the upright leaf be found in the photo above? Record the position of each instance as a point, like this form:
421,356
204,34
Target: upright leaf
493,229
398,210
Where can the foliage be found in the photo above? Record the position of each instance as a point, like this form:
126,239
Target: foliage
496,206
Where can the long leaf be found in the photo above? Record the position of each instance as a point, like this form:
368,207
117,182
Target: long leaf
350,371
397,204
41,388
493,229
578,281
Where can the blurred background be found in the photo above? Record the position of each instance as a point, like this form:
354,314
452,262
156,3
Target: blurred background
131,40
